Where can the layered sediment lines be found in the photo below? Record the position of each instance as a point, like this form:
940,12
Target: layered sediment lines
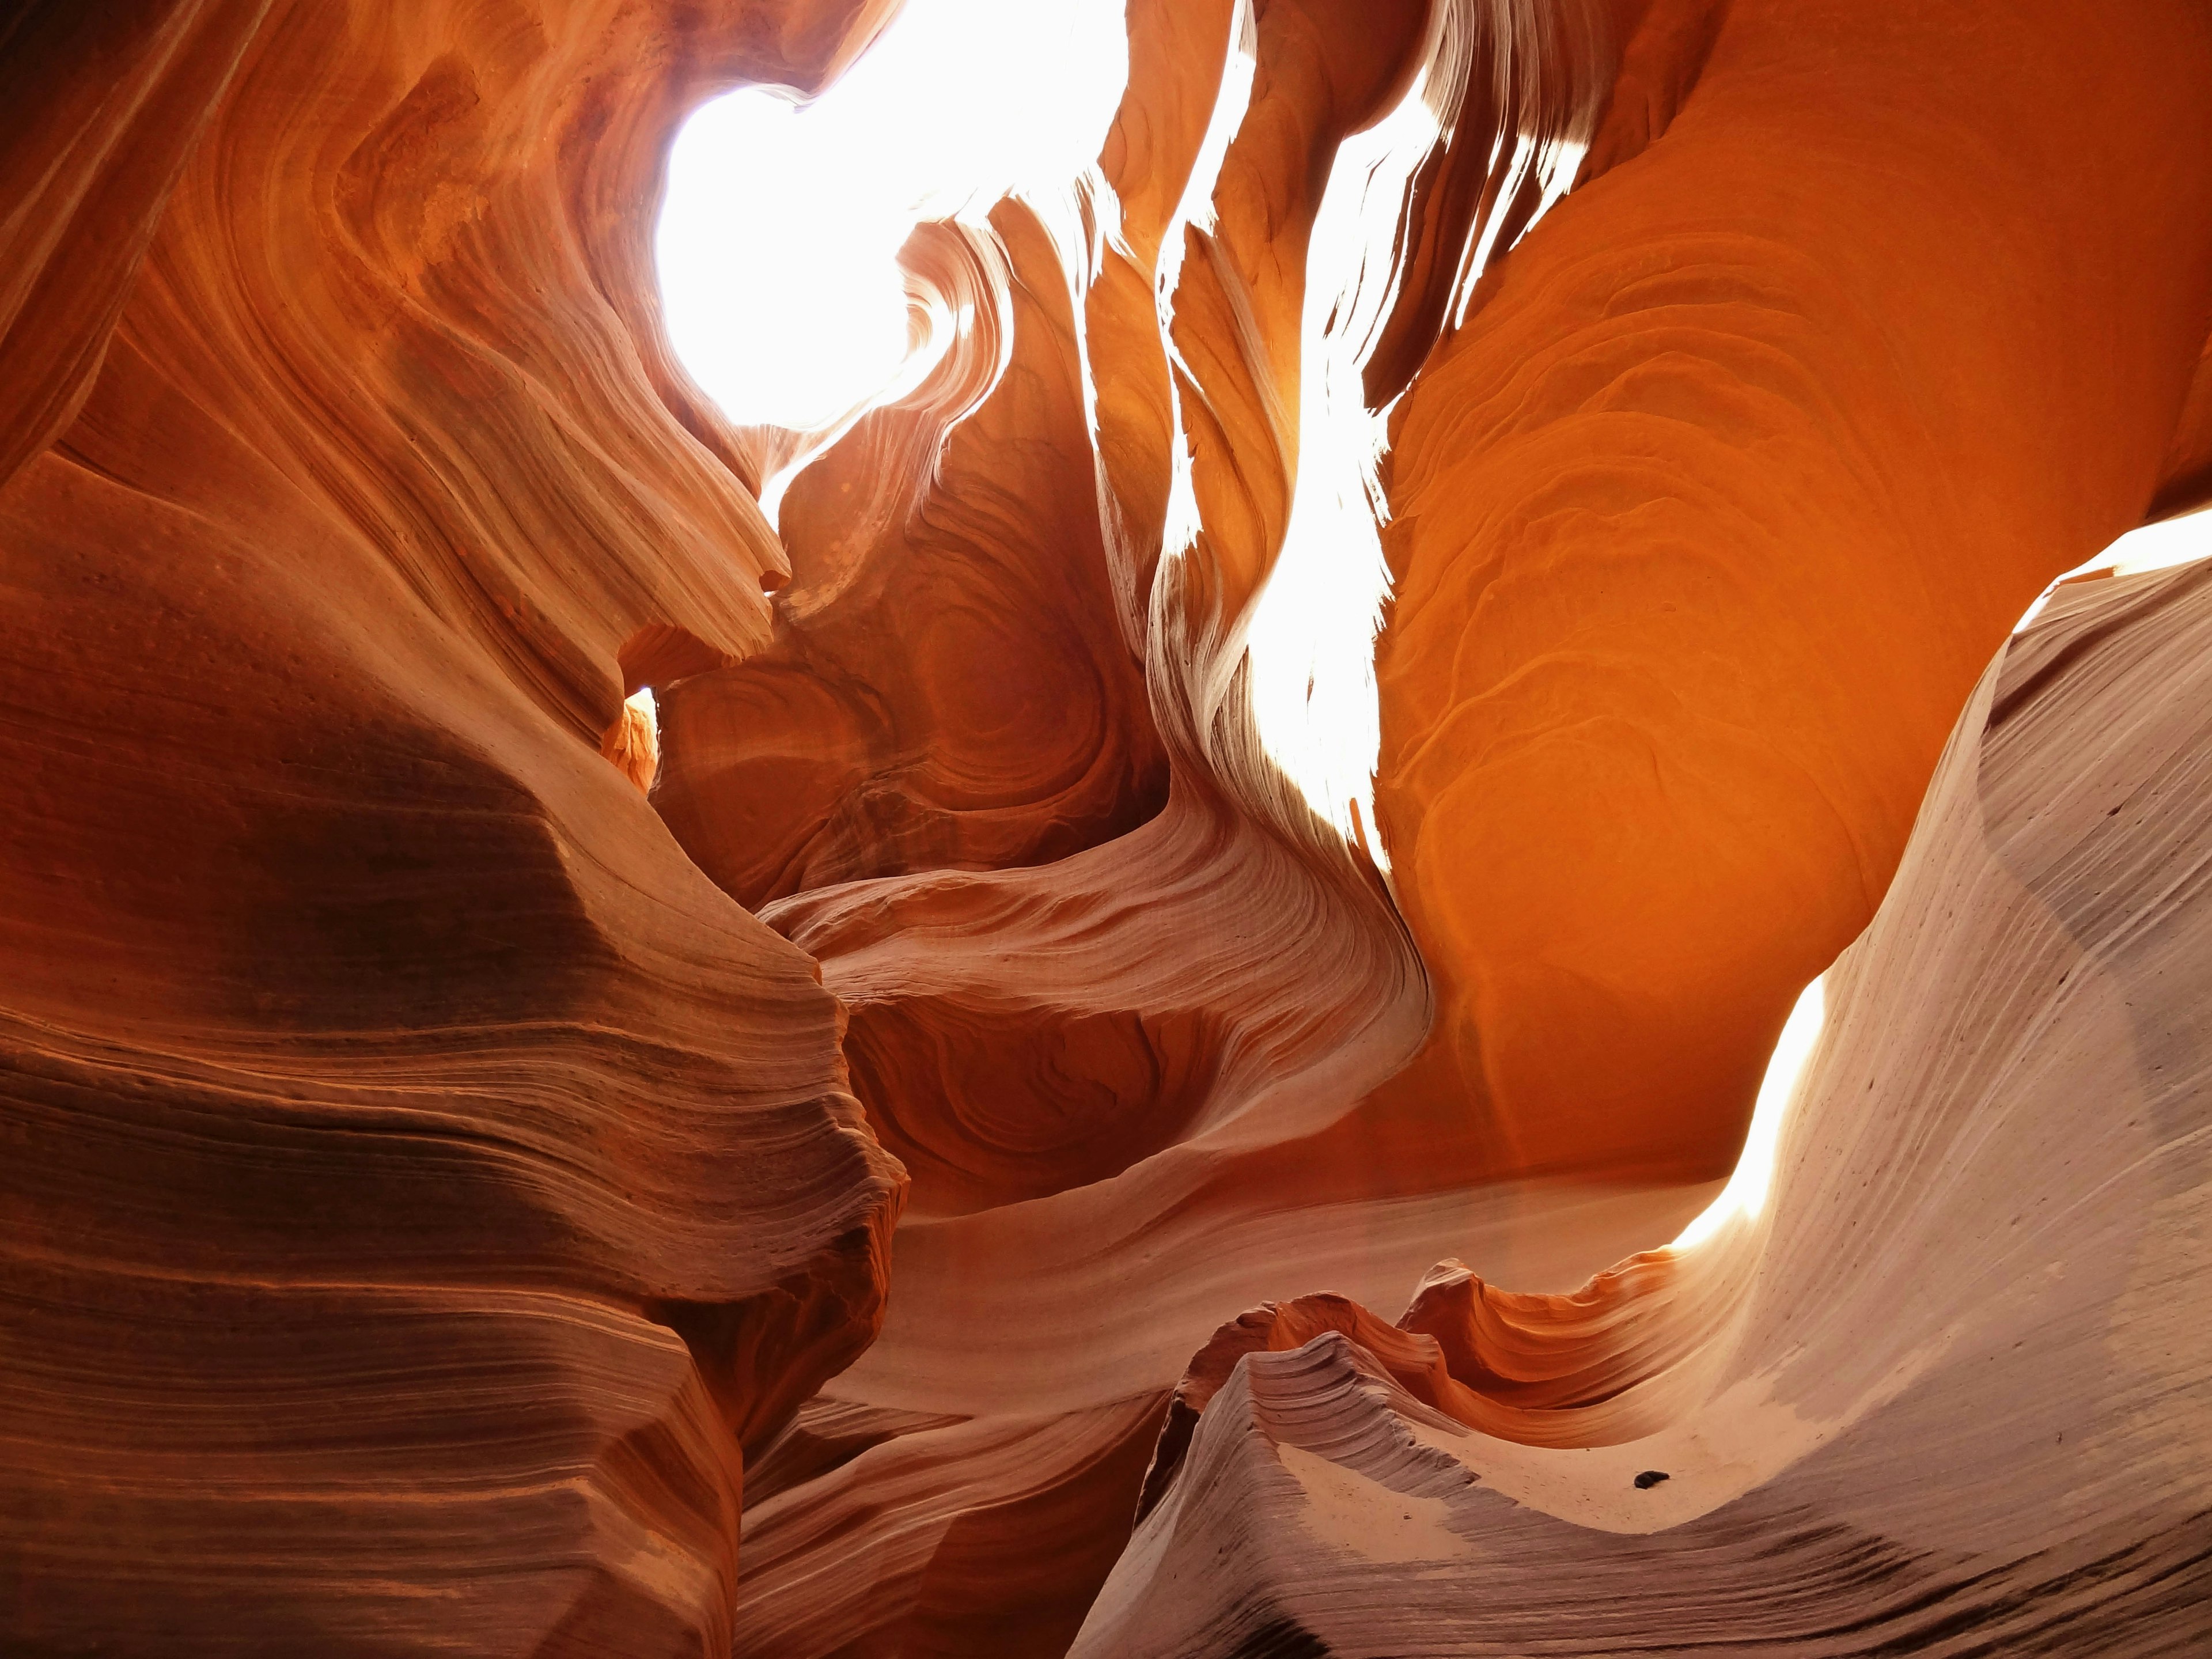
1054,1078
1945,1390
1055,1050
492,1176
422,1183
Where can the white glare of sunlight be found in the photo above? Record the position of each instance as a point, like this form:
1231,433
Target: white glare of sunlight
778,233
1312,634
1181,526
1231,105
1746,1192
2154,547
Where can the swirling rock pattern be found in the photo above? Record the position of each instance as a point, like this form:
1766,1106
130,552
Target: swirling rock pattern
1709,517
461,1130
1947,1391
953,688
423,1184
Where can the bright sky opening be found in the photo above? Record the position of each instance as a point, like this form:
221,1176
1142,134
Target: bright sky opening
777,237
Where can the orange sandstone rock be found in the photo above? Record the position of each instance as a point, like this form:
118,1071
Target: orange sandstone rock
422,1183
1703,526
439,1215
1946,1386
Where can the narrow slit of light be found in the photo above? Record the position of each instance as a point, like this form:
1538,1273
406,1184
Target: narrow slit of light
1180,528
1315,698
1312,633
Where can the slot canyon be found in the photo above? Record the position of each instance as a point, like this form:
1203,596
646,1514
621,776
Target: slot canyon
632,1032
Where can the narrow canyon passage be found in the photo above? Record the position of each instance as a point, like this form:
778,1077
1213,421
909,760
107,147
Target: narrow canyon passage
911,1138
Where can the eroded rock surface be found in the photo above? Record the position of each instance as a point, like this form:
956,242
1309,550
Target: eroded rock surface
1948,1387
422,1183
1707,520
491,1173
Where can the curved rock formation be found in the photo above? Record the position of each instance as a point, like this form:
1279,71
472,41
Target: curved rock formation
953,688
1705,522
1015,1032
103,105
1945,1391
442,1215
422,1181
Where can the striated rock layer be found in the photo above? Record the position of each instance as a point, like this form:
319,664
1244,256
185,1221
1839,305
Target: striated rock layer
422,1183
457,1125
1945,1391
1140,1084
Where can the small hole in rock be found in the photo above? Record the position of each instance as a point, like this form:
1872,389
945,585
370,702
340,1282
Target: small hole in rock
1649,1479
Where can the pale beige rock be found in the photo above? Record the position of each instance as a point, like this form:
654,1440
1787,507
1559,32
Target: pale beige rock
1948,1389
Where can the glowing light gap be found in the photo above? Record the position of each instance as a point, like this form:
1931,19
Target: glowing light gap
778,234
